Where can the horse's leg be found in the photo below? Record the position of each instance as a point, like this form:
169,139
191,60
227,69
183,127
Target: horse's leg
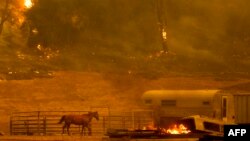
82,130
68,126
64,126
90,130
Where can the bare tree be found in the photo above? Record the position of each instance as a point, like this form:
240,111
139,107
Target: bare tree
159,4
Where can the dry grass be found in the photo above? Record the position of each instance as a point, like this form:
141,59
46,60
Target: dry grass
82,90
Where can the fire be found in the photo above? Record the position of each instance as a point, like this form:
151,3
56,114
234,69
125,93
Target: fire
150,126
175,129
28,3
164,34
181,129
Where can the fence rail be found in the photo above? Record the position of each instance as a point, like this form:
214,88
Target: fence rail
46,123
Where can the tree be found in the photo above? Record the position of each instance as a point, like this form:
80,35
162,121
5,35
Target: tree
11,11
106,31
12,38
4,15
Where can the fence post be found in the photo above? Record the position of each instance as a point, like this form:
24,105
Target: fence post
109,121
26,124
11,125
38,122
103,124
44,125
133,119
139,122
123,122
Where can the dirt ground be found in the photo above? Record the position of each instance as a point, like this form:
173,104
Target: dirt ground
79,138
68,91
53,138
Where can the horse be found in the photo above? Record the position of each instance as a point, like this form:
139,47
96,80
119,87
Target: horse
84,120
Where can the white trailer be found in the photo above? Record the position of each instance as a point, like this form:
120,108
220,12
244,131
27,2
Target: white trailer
172,104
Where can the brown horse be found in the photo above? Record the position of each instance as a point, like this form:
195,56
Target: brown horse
84,120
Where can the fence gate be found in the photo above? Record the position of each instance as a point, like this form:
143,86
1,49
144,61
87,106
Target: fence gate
46,123
142,118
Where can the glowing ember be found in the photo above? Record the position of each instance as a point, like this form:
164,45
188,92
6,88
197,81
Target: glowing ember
150,126
181,129
28,3
164,34
39,47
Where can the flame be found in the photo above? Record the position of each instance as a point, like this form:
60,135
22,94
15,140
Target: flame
28,3
150,126
164,34
175,129
181,129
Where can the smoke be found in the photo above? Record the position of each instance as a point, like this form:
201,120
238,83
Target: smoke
113,32
208,29
185,49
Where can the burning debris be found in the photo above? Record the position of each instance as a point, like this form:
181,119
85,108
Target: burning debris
149,131
188,127
174,129
177,129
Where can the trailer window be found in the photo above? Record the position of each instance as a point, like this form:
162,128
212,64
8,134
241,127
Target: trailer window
168,103
206,102
189,123
148,101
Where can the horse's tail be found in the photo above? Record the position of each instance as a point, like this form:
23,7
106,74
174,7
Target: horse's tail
62,119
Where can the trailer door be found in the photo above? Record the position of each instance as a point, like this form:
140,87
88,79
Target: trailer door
242,107
224,107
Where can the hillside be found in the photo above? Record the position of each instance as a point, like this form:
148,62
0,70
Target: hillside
82,90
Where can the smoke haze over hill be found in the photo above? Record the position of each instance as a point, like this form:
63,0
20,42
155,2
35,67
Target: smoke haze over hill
203,36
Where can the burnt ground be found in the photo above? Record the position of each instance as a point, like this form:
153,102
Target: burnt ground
81,90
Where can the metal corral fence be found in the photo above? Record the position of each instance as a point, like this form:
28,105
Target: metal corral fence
46,122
